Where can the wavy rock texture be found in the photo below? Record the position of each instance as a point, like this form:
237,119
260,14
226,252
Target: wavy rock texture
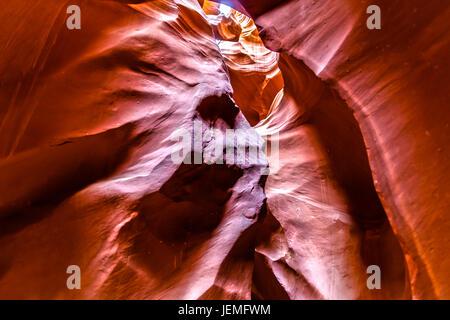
394,83
253,69
87,175
87,126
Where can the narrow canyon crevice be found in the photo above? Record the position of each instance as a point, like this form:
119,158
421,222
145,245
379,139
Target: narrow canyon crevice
342,166
115,153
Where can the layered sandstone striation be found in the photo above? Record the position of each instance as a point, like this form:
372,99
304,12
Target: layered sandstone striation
87,177
90,121
388,114
253,69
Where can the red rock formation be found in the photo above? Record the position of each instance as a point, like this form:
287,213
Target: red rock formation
87,176
87,125
394,81
253,69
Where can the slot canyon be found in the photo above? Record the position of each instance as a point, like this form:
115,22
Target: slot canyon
354,123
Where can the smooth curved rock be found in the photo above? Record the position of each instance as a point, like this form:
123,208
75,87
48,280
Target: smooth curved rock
87,125
91,121
395,82
253,69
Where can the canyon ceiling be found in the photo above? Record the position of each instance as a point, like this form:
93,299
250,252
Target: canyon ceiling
356,175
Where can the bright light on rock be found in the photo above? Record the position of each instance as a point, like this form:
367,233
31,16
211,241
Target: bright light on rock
225,10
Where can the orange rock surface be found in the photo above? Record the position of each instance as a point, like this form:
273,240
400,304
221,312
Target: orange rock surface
87,125
392,85
86,172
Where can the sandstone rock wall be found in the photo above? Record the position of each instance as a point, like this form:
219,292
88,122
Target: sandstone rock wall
394,81
87,121
90,121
